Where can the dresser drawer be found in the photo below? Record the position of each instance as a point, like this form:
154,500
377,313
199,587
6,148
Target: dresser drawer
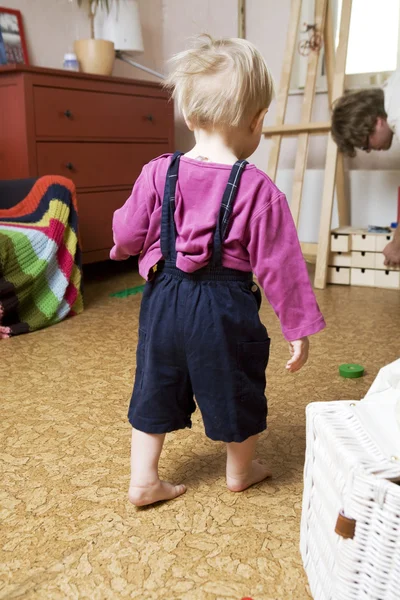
380,263
96,164
363,260
362,277
382,241
340,243
340,259
95,211
340,275
387,279
81,114
363,242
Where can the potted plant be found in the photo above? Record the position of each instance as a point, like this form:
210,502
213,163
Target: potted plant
95,56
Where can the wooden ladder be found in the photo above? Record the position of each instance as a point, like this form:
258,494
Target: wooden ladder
334,170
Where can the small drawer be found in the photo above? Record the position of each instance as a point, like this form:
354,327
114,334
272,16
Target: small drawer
363,260
339,275
96,164
340,259
363,242
380,263
382,241
387,279
340,243
364,277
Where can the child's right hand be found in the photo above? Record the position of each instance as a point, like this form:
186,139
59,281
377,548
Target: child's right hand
299,352
117,254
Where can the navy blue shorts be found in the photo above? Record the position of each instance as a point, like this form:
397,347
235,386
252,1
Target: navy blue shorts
200,337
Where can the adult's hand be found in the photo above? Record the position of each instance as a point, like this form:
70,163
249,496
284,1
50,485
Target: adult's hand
392,253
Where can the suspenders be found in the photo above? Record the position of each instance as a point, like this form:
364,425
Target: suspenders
168,230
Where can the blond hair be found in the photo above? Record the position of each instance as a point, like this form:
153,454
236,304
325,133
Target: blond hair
354,118
220,83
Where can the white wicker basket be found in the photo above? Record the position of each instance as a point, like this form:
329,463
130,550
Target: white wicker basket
347,471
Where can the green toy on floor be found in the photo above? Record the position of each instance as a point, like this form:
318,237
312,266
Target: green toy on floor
128,292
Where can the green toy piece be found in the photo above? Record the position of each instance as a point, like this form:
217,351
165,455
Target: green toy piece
129,292
351,371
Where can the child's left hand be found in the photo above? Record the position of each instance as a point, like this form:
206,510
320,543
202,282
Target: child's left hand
299,352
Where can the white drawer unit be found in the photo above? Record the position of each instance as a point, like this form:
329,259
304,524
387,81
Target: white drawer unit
339,275
340,243
387,279
382,241
363,242
362,277
363,260
356,259
340,259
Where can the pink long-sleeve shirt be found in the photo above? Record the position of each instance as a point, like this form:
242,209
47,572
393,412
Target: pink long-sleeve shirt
261,234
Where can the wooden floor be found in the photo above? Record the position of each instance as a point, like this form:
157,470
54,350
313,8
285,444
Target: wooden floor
68,530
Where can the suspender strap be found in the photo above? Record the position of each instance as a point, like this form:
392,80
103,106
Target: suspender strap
225,211
168,231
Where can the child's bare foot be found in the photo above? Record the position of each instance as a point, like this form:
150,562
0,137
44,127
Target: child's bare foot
161,490
241,481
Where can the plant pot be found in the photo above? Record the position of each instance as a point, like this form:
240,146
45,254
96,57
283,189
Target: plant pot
95,56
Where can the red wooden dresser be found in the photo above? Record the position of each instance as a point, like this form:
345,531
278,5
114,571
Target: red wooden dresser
98,131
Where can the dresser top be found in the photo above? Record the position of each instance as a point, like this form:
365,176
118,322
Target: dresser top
75,75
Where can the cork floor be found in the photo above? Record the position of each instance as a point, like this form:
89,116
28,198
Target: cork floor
68,531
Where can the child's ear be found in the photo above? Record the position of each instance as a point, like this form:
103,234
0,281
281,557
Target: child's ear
188,123
258,119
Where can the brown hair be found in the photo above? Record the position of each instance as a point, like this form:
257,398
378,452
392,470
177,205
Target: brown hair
354,118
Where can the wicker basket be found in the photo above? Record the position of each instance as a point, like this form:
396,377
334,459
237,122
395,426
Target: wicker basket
349,486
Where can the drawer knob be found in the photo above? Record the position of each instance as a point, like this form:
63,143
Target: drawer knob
149,118
70,166
68,113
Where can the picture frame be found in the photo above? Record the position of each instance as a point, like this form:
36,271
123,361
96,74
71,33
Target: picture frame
13,48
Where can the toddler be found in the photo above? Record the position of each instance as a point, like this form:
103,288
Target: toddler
202,223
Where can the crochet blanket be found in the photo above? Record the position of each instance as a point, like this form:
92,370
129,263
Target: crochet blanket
40,259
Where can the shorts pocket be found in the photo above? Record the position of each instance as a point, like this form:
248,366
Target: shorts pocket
252,362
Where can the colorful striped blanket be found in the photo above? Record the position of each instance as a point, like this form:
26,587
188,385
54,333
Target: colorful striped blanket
40,258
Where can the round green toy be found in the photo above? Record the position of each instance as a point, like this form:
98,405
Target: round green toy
351,371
